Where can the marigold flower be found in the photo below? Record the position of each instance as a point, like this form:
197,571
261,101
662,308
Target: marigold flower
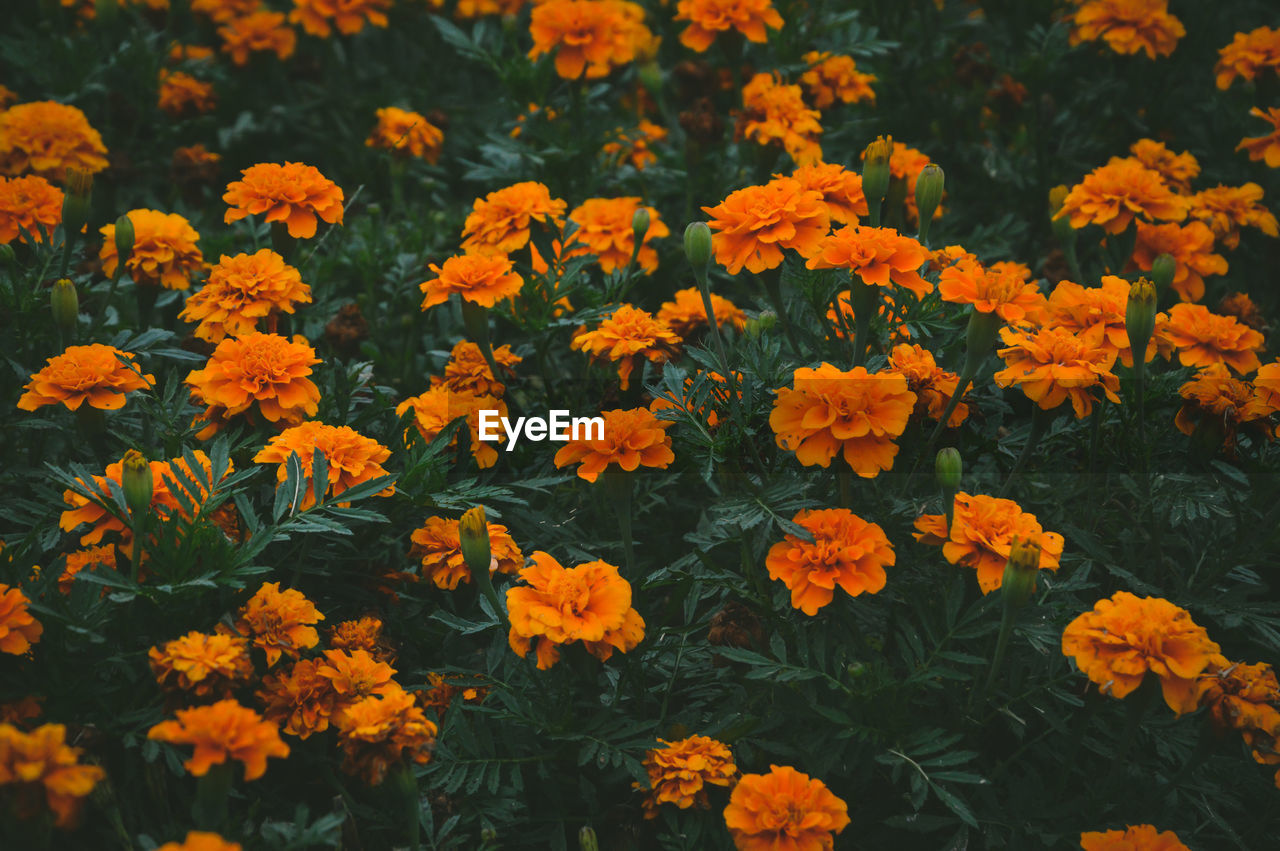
361,634
355,675
46,139
1227,209
381,729
932,385
444,689
708,17
632,146
350,457
179,91
841,190
776,112
301,701
1246,55
98,374
279,622
202,664
1142,837
266,372
604,229
753,225
255,32
1111,195
242,290
1245,698
439,406
1229,404
1242,307
319,17
18,628
632,438
784,809
1203,338
221,11
1078,309
831,78
1266,147
499,223
30,203
680,771
43,761
1005,293
467,372
406,133
1191,245
688,312
846,551
164,250
480,279
594,36
876,256
199,840
221,731
104,556
626,336
194,163
437,546
830,411
467,9
1178,170
1128,26
292,193
1053,364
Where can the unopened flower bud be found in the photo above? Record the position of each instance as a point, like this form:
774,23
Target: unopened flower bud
697,247
136,482
1019,580
639,225
65,304
75,201
1162,271
488,834
7,255
948,466
761,324
1062,229
474,532
1057,197
929,186
124,242
587,839
875,169
1140,317
855,670
980,336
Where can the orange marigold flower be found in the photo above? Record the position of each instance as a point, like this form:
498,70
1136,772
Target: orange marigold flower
1203,338
594,36
18,628
831,78
478,278
164,250
776,112
784,809
1142,837
17,712
753,225
831,410
1190,245
292,193
302,701
467,9
841,190
104,556
221,731
1078,309
1128,26
1054,364
876,256
30,203
688,312
1178,170
626,336
319,17
467,372
439,406
1005,293
221,11
406,133
1111,196
262,371
708,17
202,664
590,603
361,634
195,163
604,229
199,840
846,551
499,223
179,91
1227,209
279,621
982,532
355,675
48,138
633,146
42,761
1242,307
242,290
1247,54
1245,698
632,438
257,32
680,771
1229,404
933,385
381,729
1265,148
350,457
98,374
437,546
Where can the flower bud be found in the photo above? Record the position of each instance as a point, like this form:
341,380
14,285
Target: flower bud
980,336
1062,229
75,202
875,169
587,839
124,242
1162,271
1019,580
1140,317
1057,197
929,186
948,466
65,304
7,255
761,324
697,246
488,834
639,225
474,532
136,482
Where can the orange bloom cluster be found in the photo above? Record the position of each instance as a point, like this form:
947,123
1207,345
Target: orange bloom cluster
680,772
202,664
362,634
1247,54
221,731
590,603
164,250
1242,307
1142,837
350,458
199,840
831,410
41,762
1128,26
841,190
266,372
626,336
300,700
258,31
831,78
292,193
1245,698
1004,292
846,551
633,146
1227,209
98,374
1203,338
478,278
437,546
382,729
1124,637
18,627
604,229
499,223
784,809
319,17
46,138
775,112
1111,196
1266,148
104,556
434,410
1229,404
1190,245
467,372
30,203
279,622
932,384
632,438
708,17
240,291
753,225
179,91
1078,310
877,256
688,312
982,532
1053,364
1178,170
407,133
594,36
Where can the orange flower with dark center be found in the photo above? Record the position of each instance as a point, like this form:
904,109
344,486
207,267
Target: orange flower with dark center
1078,309
478,278
1266,148
1247,55
604,229
42,763
319,17
1125,637
784,809
1128,26
279,622
1142,837
1005,293
221,731
841,190
753,226
467,372
1054,364
688,312
46,139
257,32
202,664
831,411
846,551
28,203
180,92
981,536
932,385
680,771
775,112
293,193
1178,170
626,336
382,729
831,78
632,439
1203,338
199,840
437,546
1228,404
707,18
499,223
594,36
439,406
301,701
242,290
878,256
362,634
103,556
1112,195
1227,209
164,250
406,133
96,374
350,458
262,371
1190,245
18,627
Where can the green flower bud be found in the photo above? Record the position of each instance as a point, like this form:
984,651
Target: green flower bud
473,529
1140,317
124,242
1057,197
761,324
639,225
1162,271
697,246
948,466
7,255
929,186
65,303
1019,580
980,336
875,169
75,201
587,839
136,482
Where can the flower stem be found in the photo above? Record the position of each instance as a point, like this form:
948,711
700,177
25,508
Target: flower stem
863,298
618,484
1039,420
774,289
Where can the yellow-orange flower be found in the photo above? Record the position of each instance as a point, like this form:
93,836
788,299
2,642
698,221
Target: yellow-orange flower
1242,307
31,203
221,731
164,250
632,438
279,622
626,336
499,223
202,664
1128,26
1266,147
1191,245
1247,54
478,278
1178,170
878,256
437,546
594,36
932,384
104,556
1227,209
255,32
1245,698
406,133
831,78
355,675
242,290
841,190
752,226
846,551
831,411
98,374
1142,837
439,406
707,18
199,840
350,458
1203,338
361,634
1111,196
47,138
680,771
467,372
688,312
292,193
381,729
1125,637
262,371
1053,364
179,91
300,701
1002,292
1227,404
1078,309
319,17
604,229
784,809
773,111
42,761
18,627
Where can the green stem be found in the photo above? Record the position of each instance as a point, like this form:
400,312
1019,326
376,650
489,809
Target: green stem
863,298
845,477
774,289
1039,421
212,792
1002,648
618,484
